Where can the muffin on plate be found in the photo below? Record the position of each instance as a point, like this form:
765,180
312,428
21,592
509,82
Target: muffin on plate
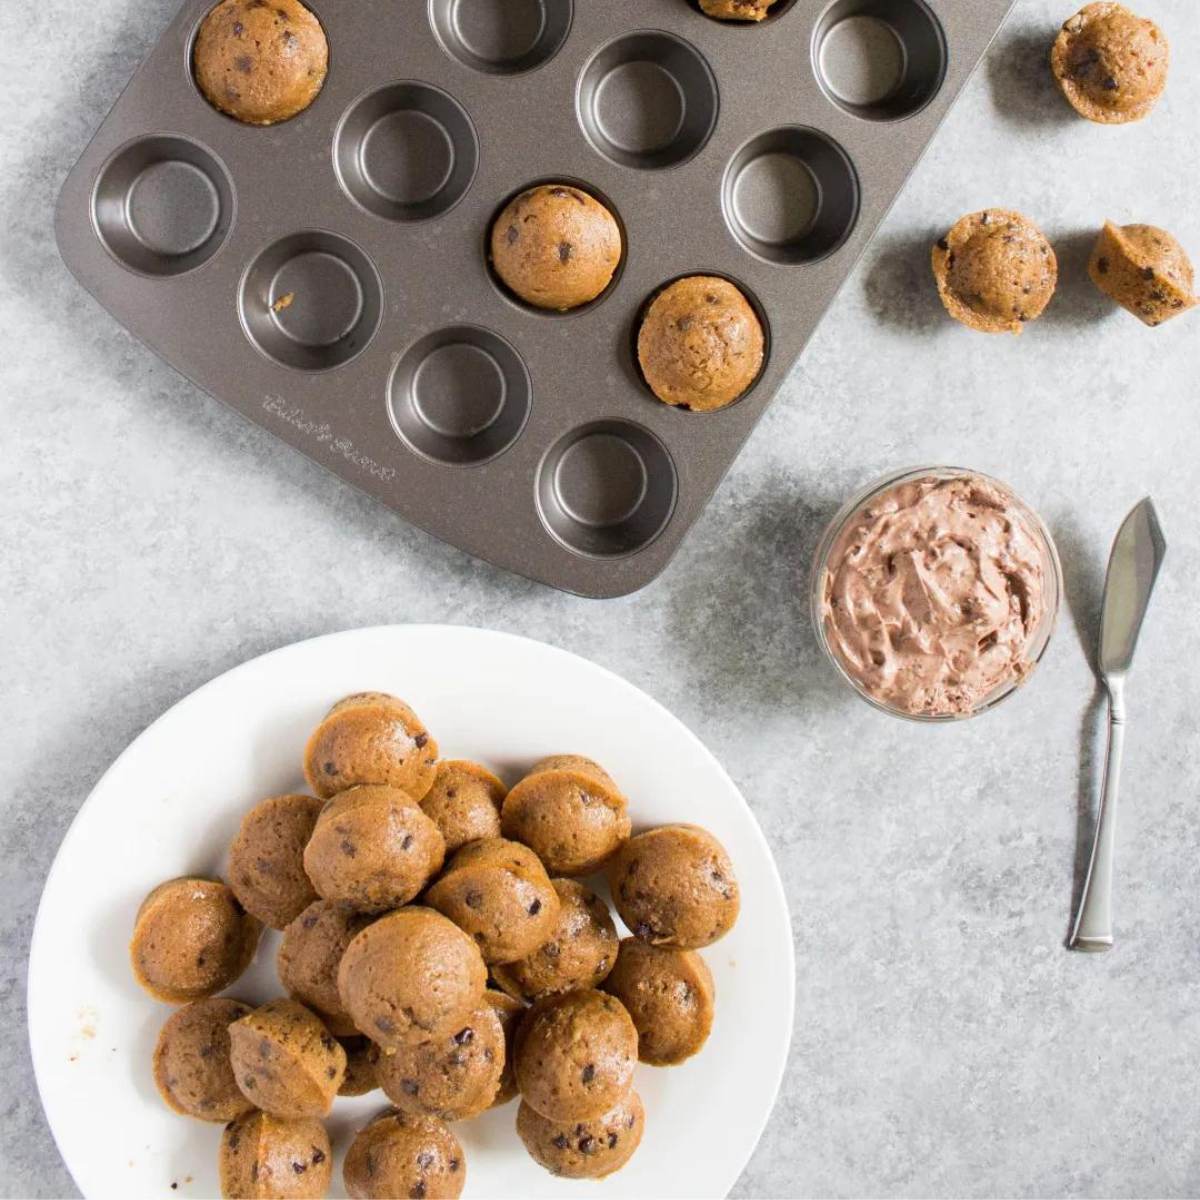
270,1158
192,1070
309,956
399,1154
584,1149
266,859
464,803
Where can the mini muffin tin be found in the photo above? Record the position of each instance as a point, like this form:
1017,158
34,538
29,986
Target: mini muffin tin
328,277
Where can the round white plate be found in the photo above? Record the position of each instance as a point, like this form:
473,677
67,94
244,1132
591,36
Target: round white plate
171,803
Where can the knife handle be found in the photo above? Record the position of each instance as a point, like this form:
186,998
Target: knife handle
1093,925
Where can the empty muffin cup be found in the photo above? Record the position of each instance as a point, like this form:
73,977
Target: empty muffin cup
501,37
607,489
311,301
163,205
406,152
791,195
460,396
879,59
647,100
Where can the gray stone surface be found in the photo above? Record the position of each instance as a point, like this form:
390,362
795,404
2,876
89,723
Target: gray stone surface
945,1043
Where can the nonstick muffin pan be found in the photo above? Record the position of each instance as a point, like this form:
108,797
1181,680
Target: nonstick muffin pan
328,277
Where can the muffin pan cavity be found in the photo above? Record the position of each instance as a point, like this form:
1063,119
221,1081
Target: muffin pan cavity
163,205
460,396
406,152
501,37
648,100
880,59
311,301
791,195
607,489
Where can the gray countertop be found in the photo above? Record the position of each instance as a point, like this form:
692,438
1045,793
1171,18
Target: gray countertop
945,1043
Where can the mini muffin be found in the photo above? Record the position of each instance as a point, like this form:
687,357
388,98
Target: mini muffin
569,813
191,1060
362,1059
701,344
995,271
556,246
1145,270
499,893
399,1154
584,1149
670,996
309,954
269,1158
737,10
373,848
191,939
261,63
410,977
575,1055
509,1012
674,886
286,1061
266,860
578,953
370,738
1110,64
453,1077
464,803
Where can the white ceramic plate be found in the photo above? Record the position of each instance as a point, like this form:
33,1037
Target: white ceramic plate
171,803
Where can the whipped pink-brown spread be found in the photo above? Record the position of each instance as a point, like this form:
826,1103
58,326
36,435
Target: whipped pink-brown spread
934,592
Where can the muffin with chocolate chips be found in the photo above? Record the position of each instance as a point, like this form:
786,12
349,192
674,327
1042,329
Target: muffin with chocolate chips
271,1158
260,62
498,892
191,1060
309,955
575,1055
556,247
737,10
373,849
995,271
285,1061
578,953
370,737
1110,64
1145,270
400,1154
584,1149
674,886
464,803
266,859
453,1077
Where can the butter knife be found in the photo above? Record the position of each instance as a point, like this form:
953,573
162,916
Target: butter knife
1133,566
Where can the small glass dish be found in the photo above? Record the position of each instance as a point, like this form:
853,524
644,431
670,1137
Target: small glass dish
863,499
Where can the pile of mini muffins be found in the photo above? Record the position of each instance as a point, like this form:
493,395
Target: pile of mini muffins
996,271
404,887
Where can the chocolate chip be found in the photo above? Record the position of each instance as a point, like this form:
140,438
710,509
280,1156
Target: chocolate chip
551,950
424,1160
612,1140
418,1190
588,1073
642,930
1102,265
473,899
535,908
564,252
331,1072
283,14
587,1145
454,1164
512,235
1109,84
943,244
464,1037
244,63
299,1167
408,841
318,1156
238,29
410,1087
249,1082
330,769
290,40
1147,272
348,848
559,193
560,1142
385,1025
421,741
985,218
629,1122
200,960
683,325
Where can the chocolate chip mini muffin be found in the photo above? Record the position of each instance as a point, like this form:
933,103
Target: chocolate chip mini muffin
575,1055
556,247
464,803
995,271
509,1012
410,977
737,10
286,1061
452,1077
578,953
1145,270
1110,64
191,939
568,811
309,954
400,1154
498,892
269,1158
584,1149
370,737
266,859
670,996
362,1060
192,1070
674,886
701,344
373,848
260,63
